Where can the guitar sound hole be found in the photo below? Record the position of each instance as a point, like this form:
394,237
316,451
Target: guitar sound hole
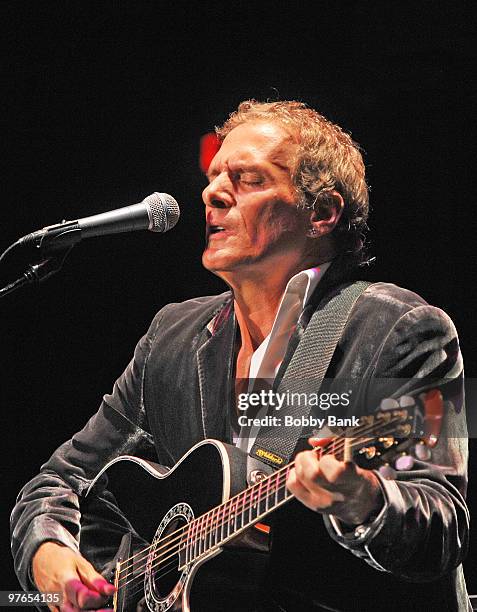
166,574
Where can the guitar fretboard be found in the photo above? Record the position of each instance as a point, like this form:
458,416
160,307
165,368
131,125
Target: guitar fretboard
224,522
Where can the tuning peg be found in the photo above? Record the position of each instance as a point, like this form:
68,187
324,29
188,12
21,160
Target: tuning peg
406,401
368,451
422,452
387,441
387,472
389,403
404,462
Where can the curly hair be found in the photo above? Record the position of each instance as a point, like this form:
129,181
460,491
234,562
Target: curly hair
327,160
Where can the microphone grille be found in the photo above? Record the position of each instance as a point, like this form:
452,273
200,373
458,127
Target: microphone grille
164,211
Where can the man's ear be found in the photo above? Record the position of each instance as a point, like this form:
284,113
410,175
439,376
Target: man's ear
324,220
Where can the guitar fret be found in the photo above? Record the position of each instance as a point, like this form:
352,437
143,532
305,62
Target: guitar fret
277,481
287,492
248,507
262,504
235,516
221,520
218,525
200,534
281,490
194,539
267,498
241,515
253,504
195,535
230,519
189,542
212,528
215,526
192,528
204,533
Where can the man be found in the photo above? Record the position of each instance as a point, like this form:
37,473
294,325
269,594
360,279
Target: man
285,208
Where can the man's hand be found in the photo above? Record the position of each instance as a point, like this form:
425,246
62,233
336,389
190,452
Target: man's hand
57,568
335,487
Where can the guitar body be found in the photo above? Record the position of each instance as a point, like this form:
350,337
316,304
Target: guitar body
216,492
157,503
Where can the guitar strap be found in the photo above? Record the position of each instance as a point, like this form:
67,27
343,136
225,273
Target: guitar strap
274,446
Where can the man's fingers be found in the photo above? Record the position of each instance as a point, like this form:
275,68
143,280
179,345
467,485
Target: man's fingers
334,471
81,596
58,568
335,487
314,441
92,579
310,494
326,471
315,481
307,467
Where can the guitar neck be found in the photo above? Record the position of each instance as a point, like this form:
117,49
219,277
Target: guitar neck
224,522
221,524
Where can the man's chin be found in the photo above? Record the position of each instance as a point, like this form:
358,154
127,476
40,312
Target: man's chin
213,262
218,262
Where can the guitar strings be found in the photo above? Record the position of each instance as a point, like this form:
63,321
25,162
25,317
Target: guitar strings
335,445
329,445
254,502
140,587
160,561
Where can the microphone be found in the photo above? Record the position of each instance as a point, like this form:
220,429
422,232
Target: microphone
159,212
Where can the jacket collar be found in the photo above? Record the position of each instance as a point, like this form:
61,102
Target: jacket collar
215,364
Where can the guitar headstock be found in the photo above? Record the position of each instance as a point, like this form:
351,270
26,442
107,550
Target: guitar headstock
398,433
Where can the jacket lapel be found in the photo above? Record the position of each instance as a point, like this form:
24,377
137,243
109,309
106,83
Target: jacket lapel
215,369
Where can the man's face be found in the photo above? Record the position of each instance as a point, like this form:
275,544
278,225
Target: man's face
251,213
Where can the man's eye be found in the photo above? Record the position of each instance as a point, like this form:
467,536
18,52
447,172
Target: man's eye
250,179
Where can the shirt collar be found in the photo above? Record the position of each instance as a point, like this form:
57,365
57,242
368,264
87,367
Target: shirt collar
304,283
301,285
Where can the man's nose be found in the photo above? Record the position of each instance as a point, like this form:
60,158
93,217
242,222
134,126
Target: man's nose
218,193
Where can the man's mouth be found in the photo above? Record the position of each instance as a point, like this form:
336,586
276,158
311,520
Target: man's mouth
213,230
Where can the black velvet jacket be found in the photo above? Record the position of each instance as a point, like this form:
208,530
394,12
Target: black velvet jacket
176,391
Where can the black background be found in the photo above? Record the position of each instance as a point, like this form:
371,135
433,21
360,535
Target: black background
105,102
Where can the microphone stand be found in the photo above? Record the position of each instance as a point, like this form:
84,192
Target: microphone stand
37,273
54,247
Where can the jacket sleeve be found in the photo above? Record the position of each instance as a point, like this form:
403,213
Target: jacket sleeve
49,507
422,532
